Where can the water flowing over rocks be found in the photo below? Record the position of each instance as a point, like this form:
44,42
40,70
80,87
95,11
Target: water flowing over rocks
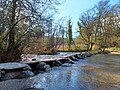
28,73
32,65
66,65
69,61
0,75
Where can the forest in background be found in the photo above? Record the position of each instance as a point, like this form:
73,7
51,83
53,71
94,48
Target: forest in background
29,26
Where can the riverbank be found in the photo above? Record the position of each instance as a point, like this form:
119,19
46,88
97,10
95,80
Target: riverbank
115,52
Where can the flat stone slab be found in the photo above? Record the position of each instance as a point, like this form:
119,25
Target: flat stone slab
29,57
11,66
49,58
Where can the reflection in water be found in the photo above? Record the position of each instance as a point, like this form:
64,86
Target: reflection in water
95,73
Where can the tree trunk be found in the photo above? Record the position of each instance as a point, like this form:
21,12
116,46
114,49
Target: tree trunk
12,53
91,46
12,26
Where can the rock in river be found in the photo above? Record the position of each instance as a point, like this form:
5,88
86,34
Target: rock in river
43,66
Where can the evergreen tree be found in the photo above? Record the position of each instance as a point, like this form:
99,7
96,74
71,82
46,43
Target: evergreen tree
69,34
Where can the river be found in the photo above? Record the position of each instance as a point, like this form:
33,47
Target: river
99,72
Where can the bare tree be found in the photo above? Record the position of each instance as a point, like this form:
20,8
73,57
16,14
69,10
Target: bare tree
86,28
107,18
100,25
19,19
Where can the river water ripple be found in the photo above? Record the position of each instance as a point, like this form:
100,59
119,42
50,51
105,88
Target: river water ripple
99,72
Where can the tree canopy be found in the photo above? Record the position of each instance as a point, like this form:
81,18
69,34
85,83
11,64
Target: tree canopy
19,20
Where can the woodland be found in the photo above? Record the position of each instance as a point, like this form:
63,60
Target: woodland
29,26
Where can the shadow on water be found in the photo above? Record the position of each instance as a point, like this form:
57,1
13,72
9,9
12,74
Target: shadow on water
99,72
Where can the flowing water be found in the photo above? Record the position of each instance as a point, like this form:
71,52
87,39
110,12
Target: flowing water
99,72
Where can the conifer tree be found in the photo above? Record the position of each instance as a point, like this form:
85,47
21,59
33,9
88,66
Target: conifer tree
69,34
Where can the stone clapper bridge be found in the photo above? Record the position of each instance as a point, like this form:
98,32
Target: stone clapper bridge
30,68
